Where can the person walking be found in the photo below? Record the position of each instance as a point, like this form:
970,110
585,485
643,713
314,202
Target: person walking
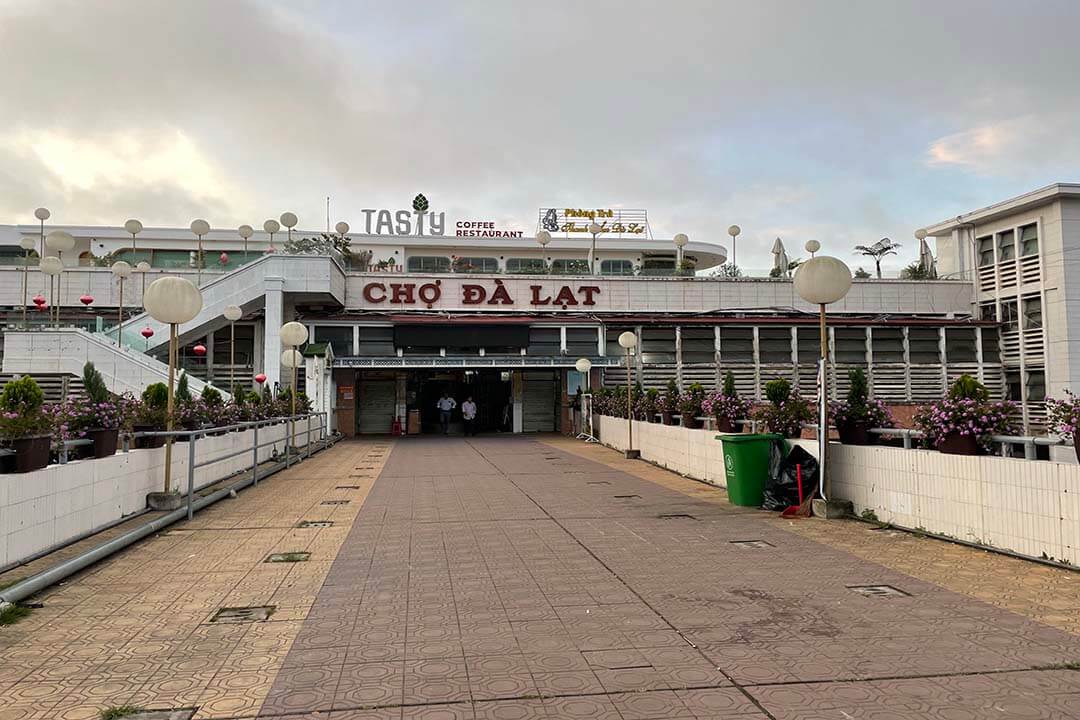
468,413
446,404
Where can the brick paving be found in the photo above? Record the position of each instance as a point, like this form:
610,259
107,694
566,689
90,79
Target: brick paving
510,578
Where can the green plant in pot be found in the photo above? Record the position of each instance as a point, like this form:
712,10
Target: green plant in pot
857,413
786,411
105,416
669,403
151,414
726,406
24,426
963,422
649,405
690,405
1064,418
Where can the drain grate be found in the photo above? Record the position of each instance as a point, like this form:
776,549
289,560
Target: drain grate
171,714
598,482
752,544
258,613
627,497
287,557
347,487
316,524
878,591
335,502
676,516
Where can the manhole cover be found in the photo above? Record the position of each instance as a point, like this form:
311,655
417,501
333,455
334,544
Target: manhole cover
676,516
347,487
627,497
878,591
599,482
335,502
316,523
259,613
181,714
752,544
288,557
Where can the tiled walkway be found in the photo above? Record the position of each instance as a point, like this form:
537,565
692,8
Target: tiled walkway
509,578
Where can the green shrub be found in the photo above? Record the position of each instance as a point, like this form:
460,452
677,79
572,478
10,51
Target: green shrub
729,385
968,388
94,385
183,394
211,396
156,395
22,396
777,391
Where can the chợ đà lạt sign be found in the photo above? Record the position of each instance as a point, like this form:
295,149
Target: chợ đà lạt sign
479,295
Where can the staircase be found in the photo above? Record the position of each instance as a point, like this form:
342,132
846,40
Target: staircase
65,351
56,388
308,277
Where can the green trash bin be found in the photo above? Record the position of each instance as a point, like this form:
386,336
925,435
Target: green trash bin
746,466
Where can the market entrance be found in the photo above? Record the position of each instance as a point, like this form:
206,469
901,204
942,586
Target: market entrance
491,390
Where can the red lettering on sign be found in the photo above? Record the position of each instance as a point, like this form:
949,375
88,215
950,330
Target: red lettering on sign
500,296
430,292
565,296
402,293
536,296
369,292
473,294
589,291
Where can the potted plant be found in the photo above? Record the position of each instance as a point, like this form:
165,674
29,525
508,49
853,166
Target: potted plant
690,405
855,415
786,411
1064,417
726,406
669,403
649,405
963,422
214,412
151,414
24,427
105,413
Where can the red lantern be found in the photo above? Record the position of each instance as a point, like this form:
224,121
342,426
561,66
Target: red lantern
260,378
39,300
86,299
199,350
43,307
147,332
224,259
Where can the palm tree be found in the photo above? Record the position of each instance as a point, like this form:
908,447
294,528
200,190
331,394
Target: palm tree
878,250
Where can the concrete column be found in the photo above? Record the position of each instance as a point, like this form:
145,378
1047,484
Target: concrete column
517,389
274,318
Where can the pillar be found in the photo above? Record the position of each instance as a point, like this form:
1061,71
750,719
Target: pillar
273,319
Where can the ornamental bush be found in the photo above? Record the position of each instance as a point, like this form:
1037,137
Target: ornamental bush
94,384
966,411
858,408
691,400
21,412
786,411
722,406
669,403
1064,415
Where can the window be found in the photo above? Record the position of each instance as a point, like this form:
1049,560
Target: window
986,251
698,345
850,344
581,342
1029,240
888,345
544,341
991,351
923,346
243,353
476,265
658,266
1032,313
378,341
1009,317
173,259
616,267
1036,386
526,265
566,266
612,346
809,341
428,263
1013,385
736,346
1006,245
340,338
988,311
960,345
774,345
658,345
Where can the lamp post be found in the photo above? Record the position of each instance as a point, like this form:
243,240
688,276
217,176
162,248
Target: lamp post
59,242
342,229
134,227
121,271
42,214
628,341
27,244
200,228
232,313
821,281
289,220
812,246
595,229
271,226
246,231
543,238
680,241
584,366
733,231
172,300
142,268
52,267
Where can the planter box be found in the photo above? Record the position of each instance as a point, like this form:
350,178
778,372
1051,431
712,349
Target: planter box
31,453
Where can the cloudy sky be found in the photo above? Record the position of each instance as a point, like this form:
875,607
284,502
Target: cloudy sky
840,121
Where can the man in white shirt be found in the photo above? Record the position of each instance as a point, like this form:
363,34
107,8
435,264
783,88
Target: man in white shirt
446,404
468,413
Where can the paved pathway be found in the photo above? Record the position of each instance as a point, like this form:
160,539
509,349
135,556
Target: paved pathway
509,578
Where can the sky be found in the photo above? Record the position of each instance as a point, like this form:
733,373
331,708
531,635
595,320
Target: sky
839,121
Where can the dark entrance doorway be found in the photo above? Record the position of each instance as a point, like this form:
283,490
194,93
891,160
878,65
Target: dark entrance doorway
491,390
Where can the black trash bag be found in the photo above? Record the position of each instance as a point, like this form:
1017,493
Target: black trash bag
782,487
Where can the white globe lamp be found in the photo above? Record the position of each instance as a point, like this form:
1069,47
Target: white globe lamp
232,313
270,227
733,231
628,341
342,228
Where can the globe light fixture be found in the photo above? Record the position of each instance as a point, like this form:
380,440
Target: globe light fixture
289,220
232,313
595,229
822,281
293,334
199,350
920,234
628,341
52,267
27,244
121,271
246,231
173,301
260,378
733,231
271,226
142,268
42,214
812,246
133,227
199,228
342,228
680,241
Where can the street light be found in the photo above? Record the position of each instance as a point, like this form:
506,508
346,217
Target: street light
583,366
289,220
52,267
142,268
543,238
232,313
121,271
342,228
59,242
821,281
595,229
628,341
134,227
27,244
172,300
812,246
271,226
680,241
42,214
733,231
246,231
293,334
200,228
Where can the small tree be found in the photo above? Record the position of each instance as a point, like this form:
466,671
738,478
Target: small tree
728,270
877,251
916,271
94,384
211,396
183,394
861,274
728,389
156,395
968,388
